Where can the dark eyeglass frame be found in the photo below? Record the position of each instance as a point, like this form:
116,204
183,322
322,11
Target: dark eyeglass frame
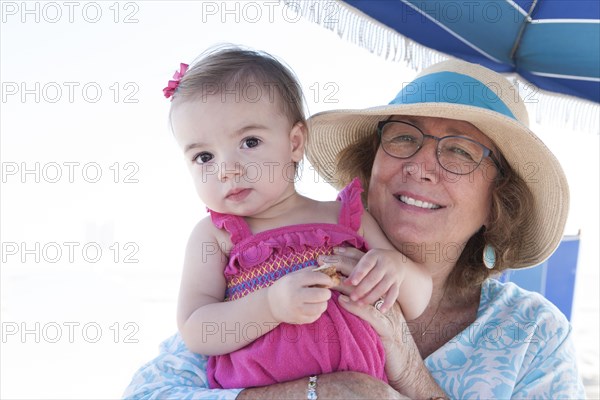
487,152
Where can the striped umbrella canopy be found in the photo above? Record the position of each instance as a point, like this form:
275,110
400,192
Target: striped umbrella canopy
551,44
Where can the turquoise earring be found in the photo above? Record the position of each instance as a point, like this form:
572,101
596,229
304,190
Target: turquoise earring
489,256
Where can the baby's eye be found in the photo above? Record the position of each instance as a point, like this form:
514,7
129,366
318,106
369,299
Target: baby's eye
203,157
250,142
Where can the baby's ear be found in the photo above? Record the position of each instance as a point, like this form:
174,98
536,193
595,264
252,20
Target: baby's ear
298,140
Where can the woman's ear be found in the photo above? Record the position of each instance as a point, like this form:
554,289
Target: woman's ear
298,136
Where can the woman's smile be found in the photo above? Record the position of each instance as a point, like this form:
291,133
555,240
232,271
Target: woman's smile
414,202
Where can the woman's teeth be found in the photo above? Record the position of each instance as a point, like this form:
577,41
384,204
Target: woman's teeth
418,203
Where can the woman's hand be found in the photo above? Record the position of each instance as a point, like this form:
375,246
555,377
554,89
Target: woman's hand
389,326
393,331
404,366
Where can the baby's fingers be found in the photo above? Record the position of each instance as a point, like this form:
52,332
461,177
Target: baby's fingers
310,312
309,278
372,285
379,292
362,269
390,298
312,295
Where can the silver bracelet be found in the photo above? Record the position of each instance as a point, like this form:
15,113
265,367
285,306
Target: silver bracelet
311,390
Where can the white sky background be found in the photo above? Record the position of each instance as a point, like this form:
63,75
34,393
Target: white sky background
143,205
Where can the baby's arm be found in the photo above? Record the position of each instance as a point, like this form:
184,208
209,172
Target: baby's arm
385,272
210,326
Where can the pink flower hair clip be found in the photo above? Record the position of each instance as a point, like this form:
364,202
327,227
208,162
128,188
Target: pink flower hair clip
170,89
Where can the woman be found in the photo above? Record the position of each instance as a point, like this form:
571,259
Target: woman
464,190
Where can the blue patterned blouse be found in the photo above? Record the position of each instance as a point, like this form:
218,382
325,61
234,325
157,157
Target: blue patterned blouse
519,347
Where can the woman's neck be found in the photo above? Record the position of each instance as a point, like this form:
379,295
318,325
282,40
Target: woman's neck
445,317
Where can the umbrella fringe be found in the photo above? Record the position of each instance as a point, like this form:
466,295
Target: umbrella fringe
570,112
551,108
358,28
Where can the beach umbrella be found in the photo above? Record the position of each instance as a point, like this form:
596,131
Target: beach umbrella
551,44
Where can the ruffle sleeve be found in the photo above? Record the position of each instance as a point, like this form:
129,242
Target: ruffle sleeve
235,225
352,208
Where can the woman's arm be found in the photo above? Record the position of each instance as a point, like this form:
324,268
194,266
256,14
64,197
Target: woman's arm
337,385
179,374
175,373
404,366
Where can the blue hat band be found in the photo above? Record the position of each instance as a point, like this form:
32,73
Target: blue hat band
450,87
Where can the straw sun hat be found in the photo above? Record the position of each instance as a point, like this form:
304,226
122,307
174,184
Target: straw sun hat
463,91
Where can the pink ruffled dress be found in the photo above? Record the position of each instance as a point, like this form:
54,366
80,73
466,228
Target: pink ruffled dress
337,341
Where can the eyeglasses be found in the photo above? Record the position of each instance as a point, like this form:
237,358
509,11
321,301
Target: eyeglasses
457,154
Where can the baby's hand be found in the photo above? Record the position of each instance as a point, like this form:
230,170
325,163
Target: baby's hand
378,274
296,299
